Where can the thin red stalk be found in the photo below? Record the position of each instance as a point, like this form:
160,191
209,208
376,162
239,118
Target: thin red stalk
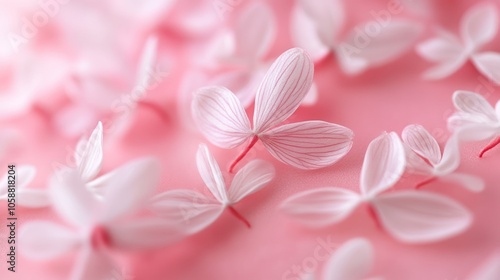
425,182
490,146
239,216
374,215
155,108
244,153
42,112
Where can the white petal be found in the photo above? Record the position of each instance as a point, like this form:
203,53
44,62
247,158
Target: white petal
470,182
321,207
309,144
479,25
255,31
46,240
210,173
445,47
24,175
488,63
220,117
418,217
71,200
92,264
147,62
387,44
445,69
477,132
490,270
189,210
383,165
251,178
130,187
475,105
329,17
33,198
284,86
352,261
144,233
243,83
451,156
305,35
422,143
91,160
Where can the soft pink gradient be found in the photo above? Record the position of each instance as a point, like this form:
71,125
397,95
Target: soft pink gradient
382,99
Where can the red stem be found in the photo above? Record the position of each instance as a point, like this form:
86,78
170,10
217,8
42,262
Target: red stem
490,146
42,112
425,182
244,153
155,108
239,216
374,215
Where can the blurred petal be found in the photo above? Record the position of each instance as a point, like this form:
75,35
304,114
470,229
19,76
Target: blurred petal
488,63
419,217
328,16
304,34
189,210
490,270
46,240
479,25
33,198
470,182
389,43
91,161
255,32
71,200
144,233
92,264
309,144
321,207
352,261
130,187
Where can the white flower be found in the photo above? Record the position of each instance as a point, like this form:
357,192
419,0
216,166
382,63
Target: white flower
475,119
408,216
478,27
221,117
424,157
193,211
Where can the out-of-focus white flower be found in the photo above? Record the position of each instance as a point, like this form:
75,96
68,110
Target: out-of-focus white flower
24,196
478,27
475,119
408,216
317,24
99,226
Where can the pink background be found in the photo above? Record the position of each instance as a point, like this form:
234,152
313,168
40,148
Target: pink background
383,99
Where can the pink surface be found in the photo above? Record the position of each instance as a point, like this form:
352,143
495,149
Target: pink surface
382,99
